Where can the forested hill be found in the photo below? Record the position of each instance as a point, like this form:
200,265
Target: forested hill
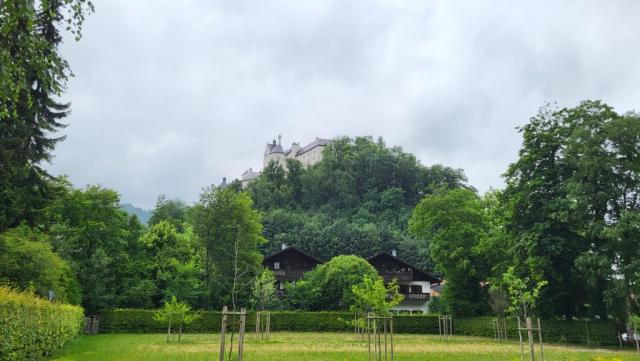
357,200
142,214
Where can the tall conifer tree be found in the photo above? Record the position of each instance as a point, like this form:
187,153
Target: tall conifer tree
33,76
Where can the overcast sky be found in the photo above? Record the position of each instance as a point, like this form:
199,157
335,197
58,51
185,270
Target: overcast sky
171,96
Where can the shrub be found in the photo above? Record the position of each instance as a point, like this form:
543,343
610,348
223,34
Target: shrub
32,328
28,261
131,320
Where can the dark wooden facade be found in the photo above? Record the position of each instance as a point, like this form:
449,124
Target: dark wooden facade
410,279
390,267
291,263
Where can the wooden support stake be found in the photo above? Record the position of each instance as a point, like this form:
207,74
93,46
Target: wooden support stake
223,329
586,326
540,338
169,329
530,337
521,343
243,315
620,338
391,330
268,324
369,336
385,340
504,325
257,325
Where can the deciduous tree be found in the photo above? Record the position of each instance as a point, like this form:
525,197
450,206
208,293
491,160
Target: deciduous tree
454,223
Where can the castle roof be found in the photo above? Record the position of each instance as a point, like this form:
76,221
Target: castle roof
274,148
249,174
319,142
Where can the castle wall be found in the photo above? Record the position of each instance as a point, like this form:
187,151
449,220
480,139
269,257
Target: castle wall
311,157
277,157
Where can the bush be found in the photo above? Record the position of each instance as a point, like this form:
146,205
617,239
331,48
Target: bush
28,261
32,328
131,320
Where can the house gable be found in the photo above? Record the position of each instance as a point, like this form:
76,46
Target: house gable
390,267
290,263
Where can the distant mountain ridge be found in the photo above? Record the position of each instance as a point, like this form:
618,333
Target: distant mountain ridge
143,214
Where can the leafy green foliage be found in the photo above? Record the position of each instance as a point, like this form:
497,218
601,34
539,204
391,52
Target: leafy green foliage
230,231
454,224
574,183
524,292
372,295
33,76
175,312
171,261
173,211
27,261
330,285
101,243
264,290
32,328
498,301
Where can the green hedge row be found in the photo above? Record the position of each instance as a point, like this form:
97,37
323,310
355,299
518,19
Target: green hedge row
32,328
600,333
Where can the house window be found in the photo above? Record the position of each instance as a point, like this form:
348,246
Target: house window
281,285
416,288
404,289
276,265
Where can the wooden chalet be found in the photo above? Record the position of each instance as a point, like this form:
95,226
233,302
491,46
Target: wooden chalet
289,264
414,283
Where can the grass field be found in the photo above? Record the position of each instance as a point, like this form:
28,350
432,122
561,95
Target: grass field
315,346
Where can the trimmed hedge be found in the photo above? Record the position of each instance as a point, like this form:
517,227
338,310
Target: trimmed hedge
133,320
33,328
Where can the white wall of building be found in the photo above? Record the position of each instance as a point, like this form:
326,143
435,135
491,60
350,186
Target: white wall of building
415,305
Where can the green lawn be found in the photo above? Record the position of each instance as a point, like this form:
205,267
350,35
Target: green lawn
314,346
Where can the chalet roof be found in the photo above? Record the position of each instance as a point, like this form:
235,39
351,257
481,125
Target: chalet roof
294,249
428,275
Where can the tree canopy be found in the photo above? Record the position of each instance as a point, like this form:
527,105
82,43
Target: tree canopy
330,285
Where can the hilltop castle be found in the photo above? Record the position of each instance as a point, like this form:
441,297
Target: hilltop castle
307,155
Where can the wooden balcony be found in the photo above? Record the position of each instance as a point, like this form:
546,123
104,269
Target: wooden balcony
400,276
288,274
416,296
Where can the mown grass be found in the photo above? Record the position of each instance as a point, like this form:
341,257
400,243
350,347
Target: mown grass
289,346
